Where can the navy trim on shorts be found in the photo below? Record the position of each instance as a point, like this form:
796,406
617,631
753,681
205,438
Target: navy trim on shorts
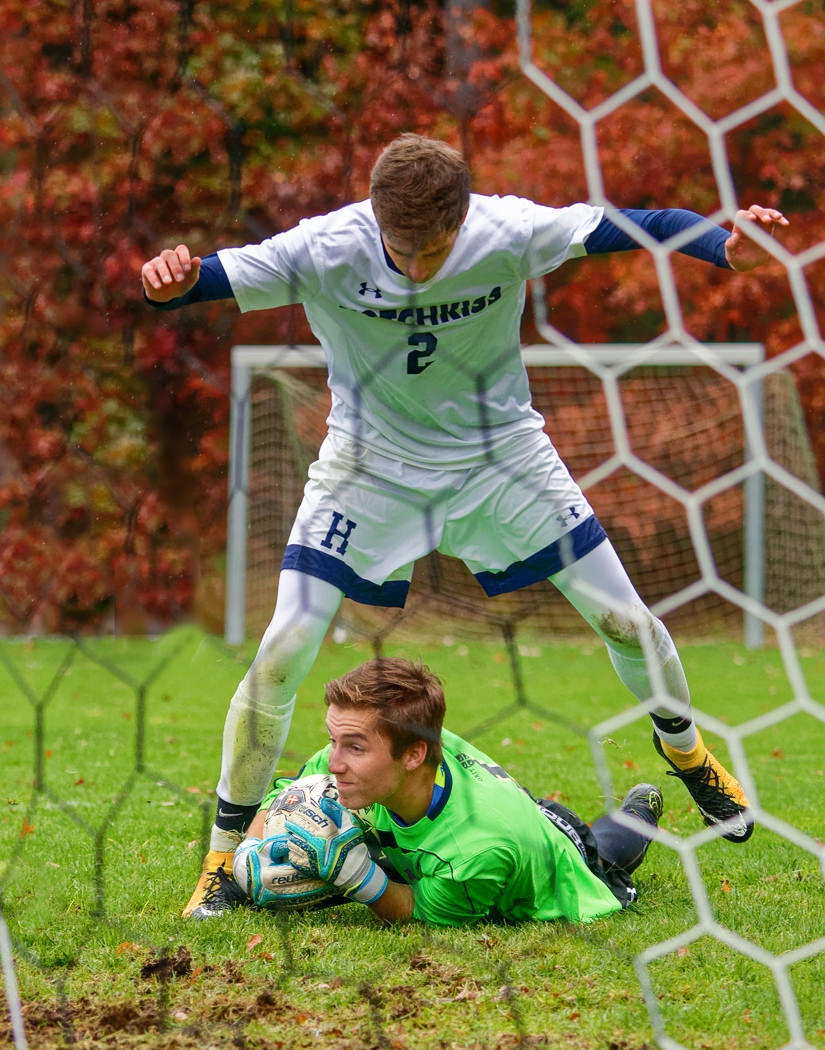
578,542
392,594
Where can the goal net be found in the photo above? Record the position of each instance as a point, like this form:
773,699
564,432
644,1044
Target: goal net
695,457
712,520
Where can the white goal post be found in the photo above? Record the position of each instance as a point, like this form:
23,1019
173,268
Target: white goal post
607,362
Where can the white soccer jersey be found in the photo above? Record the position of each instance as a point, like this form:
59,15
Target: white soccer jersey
430,373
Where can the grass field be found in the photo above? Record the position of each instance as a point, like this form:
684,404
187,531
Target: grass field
110,751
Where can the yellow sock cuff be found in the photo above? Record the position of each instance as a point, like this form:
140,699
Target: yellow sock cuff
687,759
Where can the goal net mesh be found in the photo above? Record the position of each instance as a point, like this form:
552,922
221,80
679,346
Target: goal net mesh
701,472
684,431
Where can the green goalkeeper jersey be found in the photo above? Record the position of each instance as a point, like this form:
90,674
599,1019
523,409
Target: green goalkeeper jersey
484,850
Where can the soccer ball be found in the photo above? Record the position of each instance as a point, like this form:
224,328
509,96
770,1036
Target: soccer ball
262,867
307,791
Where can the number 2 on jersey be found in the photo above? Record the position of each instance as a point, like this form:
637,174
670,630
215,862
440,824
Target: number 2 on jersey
426,344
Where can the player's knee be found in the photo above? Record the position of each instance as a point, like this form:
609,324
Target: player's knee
630,632
284,653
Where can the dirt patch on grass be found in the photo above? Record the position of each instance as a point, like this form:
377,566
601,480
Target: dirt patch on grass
223,1021
268,1021
176,1005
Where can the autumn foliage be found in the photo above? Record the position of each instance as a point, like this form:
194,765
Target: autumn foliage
130,126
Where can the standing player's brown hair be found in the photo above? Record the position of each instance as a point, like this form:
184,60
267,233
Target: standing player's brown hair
419,188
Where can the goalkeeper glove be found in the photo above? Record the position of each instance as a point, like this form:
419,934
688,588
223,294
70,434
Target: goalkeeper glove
326,843
262,870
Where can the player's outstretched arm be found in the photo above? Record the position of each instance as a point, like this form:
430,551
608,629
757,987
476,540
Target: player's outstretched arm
171,274
742,252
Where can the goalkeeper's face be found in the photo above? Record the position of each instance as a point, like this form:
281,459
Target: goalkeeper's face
362,763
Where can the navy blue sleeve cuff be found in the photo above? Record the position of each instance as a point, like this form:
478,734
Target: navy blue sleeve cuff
213,284
708,244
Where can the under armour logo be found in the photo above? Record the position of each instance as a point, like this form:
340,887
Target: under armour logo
335,531
571,512
376,292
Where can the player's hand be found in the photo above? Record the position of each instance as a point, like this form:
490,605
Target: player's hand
262,870
172,273
327,844
742,251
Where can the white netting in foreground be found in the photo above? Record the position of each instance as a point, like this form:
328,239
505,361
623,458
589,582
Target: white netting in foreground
784,621
708,442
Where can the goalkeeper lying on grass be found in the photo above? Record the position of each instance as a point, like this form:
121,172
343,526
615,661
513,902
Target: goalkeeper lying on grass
468,842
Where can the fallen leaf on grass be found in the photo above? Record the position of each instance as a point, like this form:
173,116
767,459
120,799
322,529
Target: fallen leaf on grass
128,946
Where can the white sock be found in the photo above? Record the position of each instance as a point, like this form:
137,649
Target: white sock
253,738
598,586
684,741
223,841
634,673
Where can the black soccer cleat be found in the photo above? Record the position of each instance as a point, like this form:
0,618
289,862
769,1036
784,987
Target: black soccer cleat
645,802
718,795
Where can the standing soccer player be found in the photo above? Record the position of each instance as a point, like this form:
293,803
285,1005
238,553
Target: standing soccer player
416,296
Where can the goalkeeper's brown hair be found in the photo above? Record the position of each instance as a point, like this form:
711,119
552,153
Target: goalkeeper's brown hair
419,188
407,698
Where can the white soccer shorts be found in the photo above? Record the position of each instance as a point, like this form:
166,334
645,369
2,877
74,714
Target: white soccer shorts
366,519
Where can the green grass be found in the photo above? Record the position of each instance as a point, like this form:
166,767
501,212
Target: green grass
110,751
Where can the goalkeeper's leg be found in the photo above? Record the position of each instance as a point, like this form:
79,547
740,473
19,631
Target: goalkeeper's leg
622,849
643,655
258,721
